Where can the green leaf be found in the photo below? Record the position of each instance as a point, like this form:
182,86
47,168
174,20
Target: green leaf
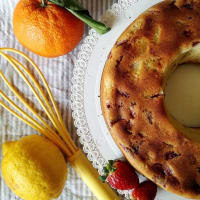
105,170
97,26
109,167
113,169
83,14
111,162
58,2
73,4
102,178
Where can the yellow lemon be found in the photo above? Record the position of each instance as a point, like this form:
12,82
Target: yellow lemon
34,168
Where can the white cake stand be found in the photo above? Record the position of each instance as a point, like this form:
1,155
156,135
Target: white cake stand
94,135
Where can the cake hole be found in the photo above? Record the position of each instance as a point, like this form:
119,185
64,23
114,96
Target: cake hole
182,95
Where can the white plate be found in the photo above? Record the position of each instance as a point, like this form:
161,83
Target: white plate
94,135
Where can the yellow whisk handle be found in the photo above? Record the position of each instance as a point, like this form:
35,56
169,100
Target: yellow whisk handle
91,177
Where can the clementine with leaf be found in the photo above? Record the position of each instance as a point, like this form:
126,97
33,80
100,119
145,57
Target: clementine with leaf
45,28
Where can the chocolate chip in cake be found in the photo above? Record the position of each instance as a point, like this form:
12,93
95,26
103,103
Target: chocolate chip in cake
140,135
135,149
114,122
120,105
126,149
169,145
156,95
172,4
132,114
195,186
133,104
168,171
119,43
125,75
118,62
108,106
128,127
148,24
170,155
187,33
191,159
188,6
198,169
157,168
123,94
195,43
173,181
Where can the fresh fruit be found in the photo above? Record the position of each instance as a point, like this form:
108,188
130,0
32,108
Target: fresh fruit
145,191
46,29
34,168
120,175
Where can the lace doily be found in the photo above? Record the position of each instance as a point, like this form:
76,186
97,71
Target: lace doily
77,96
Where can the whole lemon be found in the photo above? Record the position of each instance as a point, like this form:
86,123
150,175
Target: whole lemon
34,168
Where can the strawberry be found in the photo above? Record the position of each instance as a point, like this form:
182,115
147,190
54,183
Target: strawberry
120,175
145,191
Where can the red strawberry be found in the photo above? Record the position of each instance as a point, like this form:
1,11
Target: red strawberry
145,191
120,175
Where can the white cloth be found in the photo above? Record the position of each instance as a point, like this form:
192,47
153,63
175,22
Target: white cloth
58,72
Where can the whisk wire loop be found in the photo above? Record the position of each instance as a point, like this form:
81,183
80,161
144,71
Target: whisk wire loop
64,133
53,115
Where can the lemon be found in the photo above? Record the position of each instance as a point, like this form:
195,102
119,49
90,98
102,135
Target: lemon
34,168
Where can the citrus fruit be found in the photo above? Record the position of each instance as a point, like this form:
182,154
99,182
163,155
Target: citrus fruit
34,168
48,31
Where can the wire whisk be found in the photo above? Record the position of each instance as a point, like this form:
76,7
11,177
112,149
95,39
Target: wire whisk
60,135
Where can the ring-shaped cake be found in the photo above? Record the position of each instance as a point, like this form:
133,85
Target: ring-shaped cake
132,95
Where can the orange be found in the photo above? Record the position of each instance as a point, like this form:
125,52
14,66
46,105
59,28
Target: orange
48,31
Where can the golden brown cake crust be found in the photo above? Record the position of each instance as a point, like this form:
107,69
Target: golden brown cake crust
132,95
